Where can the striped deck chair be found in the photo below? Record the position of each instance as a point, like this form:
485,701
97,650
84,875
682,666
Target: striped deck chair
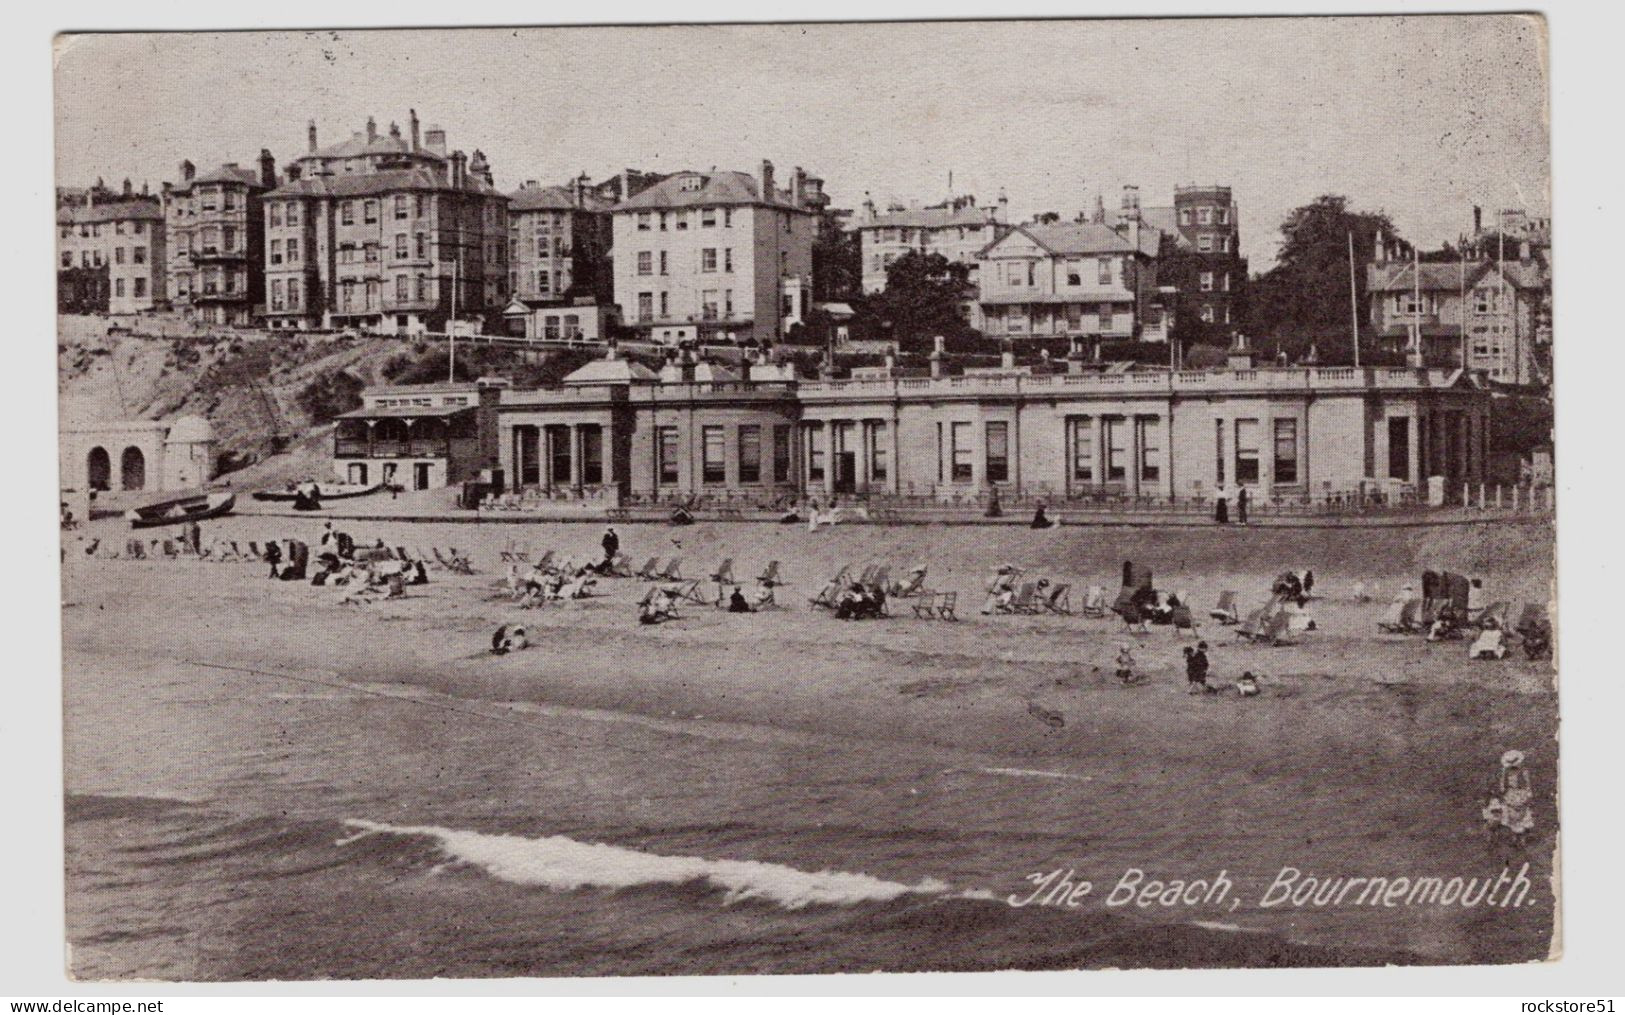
944,605
881,577
1277,628
1225,612
688,589
866,574
913,585
831,591
620,567
671,572
770,577
724,574
459,562
650,571
1183,618
1059,600
1252,628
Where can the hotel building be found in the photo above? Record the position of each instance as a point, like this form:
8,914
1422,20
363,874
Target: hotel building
215,234
385,231
957,229
110,253
716,256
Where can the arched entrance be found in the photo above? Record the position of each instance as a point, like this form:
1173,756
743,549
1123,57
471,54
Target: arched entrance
99,469
133,469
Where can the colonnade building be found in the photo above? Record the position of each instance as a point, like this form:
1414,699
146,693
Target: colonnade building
622,432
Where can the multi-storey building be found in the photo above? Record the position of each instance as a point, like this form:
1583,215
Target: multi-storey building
957,229
1484,315
385,231
1079,279
559,238
616,429
716,255
214,228
1202,261
110,253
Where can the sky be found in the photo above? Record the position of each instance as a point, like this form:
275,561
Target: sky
1420,117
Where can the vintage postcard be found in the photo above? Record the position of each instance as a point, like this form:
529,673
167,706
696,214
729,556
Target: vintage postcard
807,498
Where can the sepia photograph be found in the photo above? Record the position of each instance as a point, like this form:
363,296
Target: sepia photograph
745,499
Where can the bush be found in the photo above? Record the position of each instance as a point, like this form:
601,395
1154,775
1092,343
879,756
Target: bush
330,395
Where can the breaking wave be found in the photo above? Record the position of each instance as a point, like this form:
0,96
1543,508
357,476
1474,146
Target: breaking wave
565,864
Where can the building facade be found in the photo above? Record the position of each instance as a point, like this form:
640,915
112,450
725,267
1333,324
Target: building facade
559,238
726,253
214,231
1202,259
957,229
388,232
1081,279
110,253
136,455
1299,435
417,437
1485,315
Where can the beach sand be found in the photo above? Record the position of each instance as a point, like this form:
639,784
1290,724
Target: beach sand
1366,754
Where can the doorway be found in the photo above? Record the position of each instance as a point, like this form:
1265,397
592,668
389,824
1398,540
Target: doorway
420,476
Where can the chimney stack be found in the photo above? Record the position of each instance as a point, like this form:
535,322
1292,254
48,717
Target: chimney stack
459,168
188,171
267,169
372,129
434,140
1379,249
767,181
798,187
310,137
293,171
394,130
129,188
412,126
938,356
1478,219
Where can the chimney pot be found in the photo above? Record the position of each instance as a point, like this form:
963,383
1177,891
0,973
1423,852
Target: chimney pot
412,121
310,136
372,129
767,181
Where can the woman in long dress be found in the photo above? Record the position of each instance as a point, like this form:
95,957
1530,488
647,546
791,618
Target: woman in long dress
1511,804
1221,506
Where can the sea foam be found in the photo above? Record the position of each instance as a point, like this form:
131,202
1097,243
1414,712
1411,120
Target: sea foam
565,864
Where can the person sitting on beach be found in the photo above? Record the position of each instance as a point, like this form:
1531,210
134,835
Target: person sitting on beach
1041,520
764,597
1247,685
1001,591
508,638
657,605
328,566
853,603
1445,624
1509,808
737,602
579,586
273,556
420,574
681,516
1490,643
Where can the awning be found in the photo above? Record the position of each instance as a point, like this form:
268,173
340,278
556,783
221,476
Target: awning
407,412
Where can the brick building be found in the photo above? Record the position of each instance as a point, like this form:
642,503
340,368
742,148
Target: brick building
559,238
1202,259
957,229
385,231
215,226
110,252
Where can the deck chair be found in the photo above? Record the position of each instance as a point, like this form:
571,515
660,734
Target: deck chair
881,577
650,570
689,589
1059,600
770,577
1496,612
913,585
925,604
1430,611
543,563
671,572
438,559
724,574
1393,620
620,567
866,574
831,591
945,603
169,549
1225,612
1094,601
1026,599
1253,627
458,562
254,551
1184,619
1277,628
402,556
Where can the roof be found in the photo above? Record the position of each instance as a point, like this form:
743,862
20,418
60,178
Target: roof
1085,238
111,211
611,371
726,188
407,411
381,182
929,218
358,144
1166,220
231,172
555,199
1400,276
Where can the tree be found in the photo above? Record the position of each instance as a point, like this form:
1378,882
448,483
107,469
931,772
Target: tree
837,261
1047,218
1305,298
921,300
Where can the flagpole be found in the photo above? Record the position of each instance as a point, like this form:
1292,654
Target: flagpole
1354,304
451,327
1462,314
1416,301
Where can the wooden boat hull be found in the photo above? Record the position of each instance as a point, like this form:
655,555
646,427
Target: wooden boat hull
323,493
181,510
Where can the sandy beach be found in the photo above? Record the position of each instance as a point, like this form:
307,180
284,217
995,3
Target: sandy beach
973,754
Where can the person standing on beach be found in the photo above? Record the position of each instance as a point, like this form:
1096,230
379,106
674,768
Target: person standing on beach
611,544
1125,665
1221,506
1242,497
1196,668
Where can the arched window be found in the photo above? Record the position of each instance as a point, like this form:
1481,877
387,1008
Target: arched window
99,469
133,469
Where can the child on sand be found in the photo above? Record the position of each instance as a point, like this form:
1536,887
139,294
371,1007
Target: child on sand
1125,664
1247,685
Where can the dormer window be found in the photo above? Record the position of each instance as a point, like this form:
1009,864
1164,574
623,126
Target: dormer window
690,183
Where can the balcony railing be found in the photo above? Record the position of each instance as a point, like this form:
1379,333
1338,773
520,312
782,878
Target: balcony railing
1150,381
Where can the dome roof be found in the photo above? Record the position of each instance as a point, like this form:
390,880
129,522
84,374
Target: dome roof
190,430
611,371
